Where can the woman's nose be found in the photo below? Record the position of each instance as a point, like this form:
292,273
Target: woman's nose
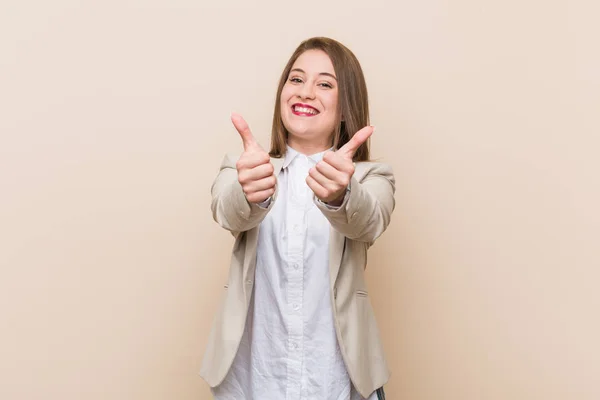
307,91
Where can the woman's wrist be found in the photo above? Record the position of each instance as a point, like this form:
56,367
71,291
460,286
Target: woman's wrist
337,202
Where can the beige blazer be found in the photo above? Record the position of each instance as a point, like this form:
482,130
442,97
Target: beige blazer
354,227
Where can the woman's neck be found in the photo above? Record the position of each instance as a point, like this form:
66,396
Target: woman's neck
309,147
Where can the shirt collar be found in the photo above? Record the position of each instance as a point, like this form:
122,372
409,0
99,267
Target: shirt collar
291,154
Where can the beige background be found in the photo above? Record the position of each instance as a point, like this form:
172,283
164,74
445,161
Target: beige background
114,116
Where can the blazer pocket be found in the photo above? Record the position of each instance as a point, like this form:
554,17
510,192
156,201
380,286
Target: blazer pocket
362,293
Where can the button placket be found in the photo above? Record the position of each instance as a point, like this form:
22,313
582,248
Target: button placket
296,232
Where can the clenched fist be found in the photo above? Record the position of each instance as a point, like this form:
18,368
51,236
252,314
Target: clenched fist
331,176
255,171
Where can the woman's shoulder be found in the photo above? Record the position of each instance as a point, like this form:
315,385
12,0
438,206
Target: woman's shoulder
370,169
373,167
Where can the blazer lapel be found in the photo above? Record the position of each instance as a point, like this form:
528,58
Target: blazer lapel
336,250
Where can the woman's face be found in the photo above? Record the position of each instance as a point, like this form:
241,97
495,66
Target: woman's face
309,100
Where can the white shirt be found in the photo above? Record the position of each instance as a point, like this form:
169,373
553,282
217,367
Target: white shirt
289,348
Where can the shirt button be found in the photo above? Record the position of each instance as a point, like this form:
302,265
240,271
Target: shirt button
295,346
296,265
296,228
296,306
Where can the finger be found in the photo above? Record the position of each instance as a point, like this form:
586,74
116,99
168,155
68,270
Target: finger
356,141
339,162
259,197
317,189
323,181
332,173
260,185
244,130
256,173
252,160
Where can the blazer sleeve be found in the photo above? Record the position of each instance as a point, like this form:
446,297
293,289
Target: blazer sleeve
229,205
367,208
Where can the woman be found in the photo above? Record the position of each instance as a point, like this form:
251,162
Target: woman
296,321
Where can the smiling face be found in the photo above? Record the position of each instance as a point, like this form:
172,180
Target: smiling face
309,102
321,100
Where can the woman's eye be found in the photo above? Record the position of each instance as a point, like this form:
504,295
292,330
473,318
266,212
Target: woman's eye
327,85
296,80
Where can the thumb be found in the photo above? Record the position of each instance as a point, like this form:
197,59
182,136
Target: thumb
242,127
356,141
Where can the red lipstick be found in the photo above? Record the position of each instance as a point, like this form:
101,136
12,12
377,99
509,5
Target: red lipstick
304,110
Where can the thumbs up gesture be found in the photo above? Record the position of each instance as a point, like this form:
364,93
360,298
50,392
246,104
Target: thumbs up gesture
255,171
331,176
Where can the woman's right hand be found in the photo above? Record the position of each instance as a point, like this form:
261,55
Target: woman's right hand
254,168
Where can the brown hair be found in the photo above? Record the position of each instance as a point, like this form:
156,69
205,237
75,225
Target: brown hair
353,101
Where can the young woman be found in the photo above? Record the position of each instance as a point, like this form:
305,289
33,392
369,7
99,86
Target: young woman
296,321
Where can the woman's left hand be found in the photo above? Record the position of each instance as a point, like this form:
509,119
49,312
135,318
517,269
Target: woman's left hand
331,176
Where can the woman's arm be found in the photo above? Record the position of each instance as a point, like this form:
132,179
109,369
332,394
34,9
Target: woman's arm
243,183
229,205
367,208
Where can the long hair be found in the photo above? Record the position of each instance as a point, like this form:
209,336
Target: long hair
353,101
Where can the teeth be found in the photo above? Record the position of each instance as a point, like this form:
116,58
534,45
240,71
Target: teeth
305,110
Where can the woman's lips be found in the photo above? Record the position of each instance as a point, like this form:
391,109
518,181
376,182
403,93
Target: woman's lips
304,110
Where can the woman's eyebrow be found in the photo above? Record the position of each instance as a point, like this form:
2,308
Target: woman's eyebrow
322,73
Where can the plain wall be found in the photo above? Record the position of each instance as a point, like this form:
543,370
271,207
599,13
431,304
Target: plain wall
114,117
